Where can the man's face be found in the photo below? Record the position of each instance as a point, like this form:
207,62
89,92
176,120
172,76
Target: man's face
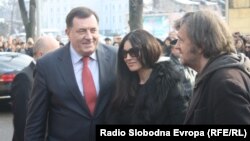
175,51
84,35
108,42
248,47
189,54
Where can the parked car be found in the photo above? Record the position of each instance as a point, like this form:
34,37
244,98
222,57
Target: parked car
10,64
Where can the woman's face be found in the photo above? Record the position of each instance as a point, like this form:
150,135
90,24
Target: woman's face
130,56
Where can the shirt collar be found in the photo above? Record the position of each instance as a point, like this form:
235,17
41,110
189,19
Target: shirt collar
75,56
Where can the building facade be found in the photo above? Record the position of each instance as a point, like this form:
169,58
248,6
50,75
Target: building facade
113,14
238,16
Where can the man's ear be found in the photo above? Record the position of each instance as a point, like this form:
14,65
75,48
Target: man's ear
39,54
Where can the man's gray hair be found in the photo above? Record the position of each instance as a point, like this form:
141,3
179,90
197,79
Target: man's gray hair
207,30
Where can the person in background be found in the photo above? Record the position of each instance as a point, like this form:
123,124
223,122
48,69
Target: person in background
239,42
117,39
22,47
6,47
116,44
108,41
1,43
22,86
58,38
167,50
72,85
164,47
29,47
187,74
247,49
222,85
10,43
148,91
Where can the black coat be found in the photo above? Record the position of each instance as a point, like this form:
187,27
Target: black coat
158,101
20,91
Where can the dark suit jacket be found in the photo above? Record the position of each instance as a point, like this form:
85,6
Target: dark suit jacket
56,96
21,90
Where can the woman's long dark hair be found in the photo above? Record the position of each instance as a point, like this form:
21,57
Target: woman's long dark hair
127,81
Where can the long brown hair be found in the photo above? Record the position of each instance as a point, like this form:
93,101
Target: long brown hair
127,81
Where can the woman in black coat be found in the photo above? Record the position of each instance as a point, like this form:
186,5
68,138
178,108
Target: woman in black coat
148,87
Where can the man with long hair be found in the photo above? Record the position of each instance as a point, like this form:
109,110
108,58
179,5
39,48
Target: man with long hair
222,88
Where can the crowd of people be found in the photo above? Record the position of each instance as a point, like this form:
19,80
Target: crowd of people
196,75
242,43
11,44
16,44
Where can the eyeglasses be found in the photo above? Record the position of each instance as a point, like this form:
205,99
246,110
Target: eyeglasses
173,42
133,52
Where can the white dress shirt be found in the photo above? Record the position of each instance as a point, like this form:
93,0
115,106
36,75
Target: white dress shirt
78,67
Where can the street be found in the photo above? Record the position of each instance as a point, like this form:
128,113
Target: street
6,128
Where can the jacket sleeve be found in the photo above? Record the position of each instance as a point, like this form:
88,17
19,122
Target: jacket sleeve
21,88
37,107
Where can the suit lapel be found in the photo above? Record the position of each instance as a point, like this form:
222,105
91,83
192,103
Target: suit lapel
105,67
102,62
66,69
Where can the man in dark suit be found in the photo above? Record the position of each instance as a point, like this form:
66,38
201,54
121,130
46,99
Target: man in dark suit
57,108
22,85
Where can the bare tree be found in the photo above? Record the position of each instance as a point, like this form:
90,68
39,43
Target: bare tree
29,22
135,14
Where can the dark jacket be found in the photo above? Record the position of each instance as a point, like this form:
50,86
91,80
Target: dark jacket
158,101
187,76
222,92
56,103
20,92
247,54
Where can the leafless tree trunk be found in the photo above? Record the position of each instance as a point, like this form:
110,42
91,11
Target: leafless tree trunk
29,22
135,14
